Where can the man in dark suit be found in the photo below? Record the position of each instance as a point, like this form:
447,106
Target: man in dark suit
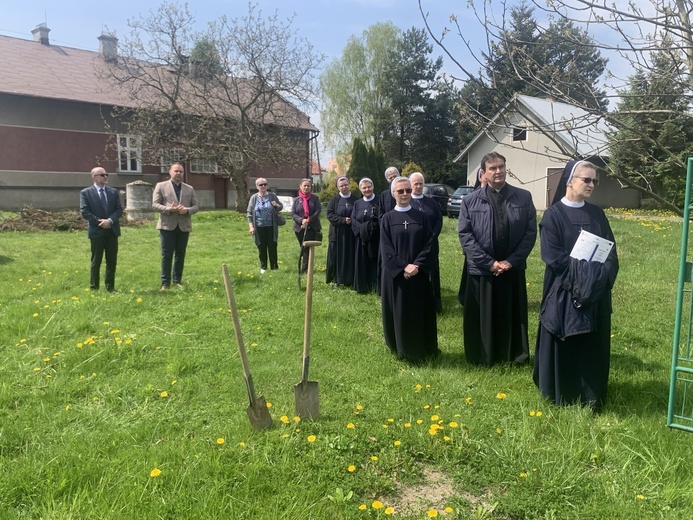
176,202
100,206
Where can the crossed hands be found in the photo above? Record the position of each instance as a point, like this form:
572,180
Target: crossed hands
410,271
178,208
105,223
498,268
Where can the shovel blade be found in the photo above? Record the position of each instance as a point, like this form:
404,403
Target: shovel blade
307,399
259,415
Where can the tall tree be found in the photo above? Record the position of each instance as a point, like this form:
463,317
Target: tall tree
227,96
354,103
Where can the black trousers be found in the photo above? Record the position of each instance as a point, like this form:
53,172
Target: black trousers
107,243
309,235
267,245
173,244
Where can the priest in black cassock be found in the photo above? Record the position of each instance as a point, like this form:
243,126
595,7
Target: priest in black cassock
497,230
430,208
408,307
340,251
365,225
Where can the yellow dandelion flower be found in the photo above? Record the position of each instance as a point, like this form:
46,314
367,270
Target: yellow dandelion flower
23,340
363,507
351,426
351,468
311,438
523,475
419,421
436,407
155,472
498,430
241,444
433,431
427,406
446,438
453,424
428,386
35,314
359,407
67,407
284,419
174,382
385,426
389,510
398,443
285,436
105,323
115,331
432,513
468,400
377,504
220,441
79,345
164,394
640,497
434,418
139,300
298,430
128,341
407,425
500,395
253,344
449,509
532,413
374,458
419,387
269,405
539,414
47,359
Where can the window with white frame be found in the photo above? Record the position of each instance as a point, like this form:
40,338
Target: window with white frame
519,134
129,154
168,157
203,166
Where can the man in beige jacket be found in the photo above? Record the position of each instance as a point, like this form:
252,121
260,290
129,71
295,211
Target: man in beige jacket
176,202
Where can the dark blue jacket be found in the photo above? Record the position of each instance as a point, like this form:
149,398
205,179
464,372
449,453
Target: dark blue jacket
92,210
475,230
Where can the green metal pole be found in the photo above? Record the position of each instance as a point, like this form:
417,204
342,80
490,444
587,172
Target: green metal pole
679,296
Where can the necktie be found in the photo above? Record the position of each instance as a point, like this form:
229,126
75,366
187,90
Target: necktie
102,195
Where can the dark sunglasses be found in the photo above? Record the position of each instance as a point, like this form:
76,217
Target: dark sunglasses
102,175
589,180
263,184
402,191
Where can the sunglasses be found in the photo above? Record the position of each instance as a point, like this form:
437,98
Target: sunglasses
402,191
262,184
589,180
102,175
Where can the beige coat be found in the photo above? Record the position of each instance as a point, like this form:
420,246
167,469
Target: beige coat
165,197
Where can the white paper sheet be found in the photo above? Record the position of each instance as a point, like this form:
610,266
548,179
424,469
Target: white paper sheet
591,247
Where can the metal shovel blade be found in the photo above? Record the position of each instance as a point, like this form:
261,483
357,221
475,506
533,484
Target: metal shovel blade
307,399
259,415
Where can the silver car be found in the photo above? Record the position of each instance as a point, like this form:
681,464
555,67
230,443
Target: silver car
455,198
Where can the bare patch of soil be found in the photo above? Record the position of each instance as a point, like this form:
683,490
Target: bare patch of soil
33,219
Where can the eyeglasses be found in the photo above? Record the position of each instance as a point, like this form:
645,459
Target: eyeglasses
589,180
262,184
402,191
102,175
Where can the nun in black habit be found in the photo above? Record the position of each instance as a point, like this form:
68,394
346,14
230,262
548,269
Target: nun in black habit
408,308
571,362
340,251
366,227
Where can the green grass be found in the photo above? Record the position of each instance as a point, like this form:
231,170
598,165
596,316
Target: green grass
83,421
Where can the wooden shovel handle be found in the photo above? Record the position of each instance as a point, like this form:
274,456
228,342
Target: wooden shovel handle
309,310
239,335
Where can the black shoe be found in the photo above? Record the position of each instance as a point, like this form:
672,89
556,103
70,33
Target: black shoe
274,267
113,291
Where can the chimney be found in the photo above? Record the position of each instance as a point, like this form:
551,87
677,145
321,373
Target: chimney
40,33
108,47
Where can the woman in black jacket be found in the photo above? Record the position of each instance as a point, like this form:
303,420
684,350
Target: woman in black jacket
305,212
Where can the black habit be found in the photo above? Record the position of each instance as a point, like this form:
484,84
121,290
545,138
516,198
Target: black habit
430,208
366,228
574,369
408,307
340,251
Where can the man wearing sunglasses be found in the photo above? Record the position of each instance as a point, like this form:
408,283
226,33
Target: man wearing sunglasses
497,230
100,206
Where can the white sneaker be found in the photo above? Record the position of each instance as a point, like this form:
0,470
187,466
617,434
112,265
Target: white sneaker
262,271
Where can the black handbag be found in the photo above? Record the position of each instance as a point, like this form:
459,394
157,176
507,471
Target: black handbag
280,218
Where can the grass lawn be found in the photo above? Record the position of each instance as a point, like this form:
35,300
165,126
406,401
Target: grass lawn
133,405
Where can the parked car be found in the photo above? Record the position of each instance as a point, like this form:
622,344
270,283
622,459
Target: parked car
440,193
455,200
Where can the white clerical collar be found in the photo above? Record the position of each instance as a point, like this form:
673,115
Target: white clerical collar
372,197
417,196
407,208
344,196
572,204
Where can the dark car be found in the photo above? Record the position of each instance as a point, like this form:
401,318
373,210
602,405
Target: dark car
440,193
455,198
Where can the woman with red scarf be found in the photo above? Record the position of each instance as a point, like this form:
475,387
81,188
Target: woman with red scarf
305,213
